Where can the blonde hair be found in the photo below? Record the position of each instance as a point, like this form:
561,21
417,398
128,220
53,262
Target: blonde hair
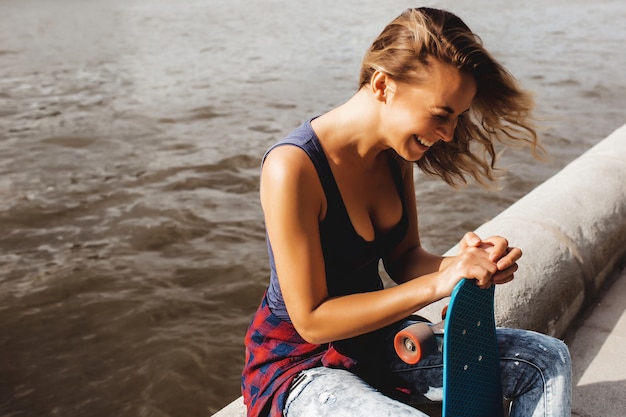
500,111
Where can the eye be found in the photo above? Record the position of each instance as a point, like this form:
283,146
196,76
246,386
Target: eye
442,117
464,114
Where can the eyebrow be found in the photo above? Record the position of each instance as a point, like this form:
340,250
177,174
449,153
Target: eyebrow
450,110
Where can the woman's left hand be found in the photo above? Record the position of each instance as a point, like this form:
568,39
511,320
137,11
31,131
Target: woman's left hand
504,256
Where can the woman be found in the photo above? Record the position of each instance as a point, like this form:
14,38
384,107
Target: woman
338,196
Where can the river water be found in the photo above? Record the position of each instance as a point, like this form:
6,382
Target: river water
132,250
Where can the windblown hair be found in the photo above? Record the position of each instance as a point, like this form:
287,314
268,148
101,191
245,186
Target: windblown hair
500,112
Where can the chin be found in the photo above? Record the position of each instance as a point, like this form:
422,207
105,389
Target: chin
413,156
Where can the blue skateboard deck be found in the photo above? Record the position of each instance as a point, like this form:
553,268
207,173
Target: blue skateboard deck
471,360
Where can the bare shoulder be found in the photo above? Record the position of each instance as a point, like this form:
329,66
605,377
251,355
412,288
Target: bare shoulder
286,160
288,175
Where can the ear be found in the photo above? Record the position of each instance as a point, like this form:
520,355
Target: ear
379,85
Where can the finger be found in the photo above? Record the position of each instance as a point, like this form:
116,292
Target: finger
470,239
484,272
500,246
484,283
508,260
502,277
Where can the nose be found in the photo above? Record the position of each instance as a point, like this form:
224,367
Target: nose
446,130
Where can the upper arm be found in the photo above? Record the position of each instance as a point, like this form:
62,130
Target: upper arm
293,202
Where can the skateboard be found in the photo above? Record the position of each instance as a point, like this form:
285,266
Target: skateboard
471,361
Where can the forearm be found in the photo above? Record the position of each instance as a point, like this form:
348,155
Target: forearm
415,263
352,315
423,279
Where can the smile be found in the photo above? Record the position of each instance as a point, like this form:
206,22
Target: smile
423,141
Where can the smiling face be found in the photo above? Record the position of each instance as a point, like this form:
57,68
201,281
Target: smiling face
415,117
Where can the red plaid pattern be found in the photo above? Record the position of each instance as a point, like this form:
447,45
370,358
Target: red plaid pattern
275,354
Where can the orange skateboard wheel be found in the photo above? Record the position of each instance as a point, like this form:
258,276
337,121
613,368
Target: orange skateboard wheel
414,342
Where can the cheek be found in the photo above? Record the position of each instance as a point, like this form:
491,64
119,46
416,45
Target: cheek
404,119
410,123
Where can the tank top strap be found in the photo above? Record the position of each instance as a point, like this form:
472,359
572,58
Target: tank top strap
305,138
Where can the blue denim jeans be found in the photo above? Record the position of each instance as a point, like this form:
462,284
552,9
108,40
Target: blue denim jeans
536,379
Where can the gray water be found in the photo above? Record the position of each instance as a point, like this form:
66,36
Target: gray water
132,250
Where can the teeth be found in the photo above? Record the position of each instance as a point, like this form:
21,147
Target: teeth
424,142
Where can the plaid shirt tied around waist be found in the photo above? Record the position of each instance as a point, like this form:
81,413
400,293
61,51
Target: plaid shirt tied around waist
275,354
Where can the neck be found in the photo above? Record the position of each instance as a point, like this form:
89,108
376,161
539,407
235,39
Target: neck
349,133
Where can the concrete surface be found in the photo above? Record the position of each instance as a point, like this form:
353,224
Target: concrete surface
597,343
234,409
572,281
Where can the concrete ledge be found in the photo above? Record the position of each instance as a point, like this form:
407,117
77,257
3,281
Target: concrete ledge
234,409
572,229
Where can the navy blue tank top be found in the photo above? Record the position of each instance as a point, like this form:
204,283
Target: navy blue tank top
351,262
